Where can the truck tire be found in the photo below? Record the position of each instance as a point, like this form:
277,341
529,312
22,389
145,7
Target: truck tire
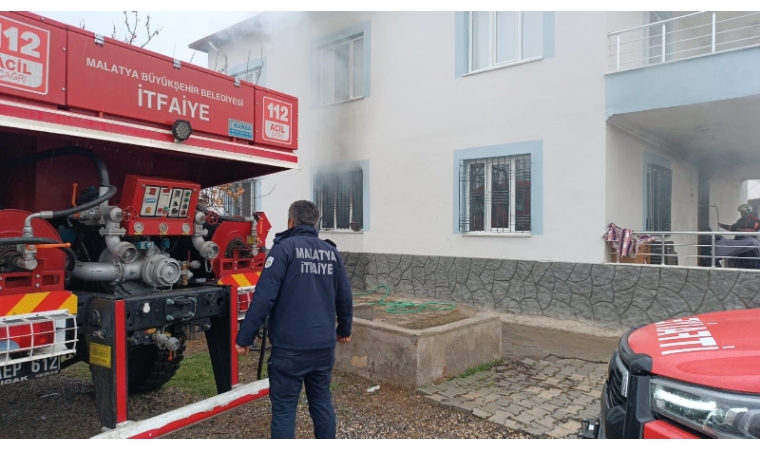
149,367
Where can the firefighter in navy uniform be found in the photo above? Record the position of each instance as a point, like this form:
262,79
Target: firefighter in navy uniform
304,289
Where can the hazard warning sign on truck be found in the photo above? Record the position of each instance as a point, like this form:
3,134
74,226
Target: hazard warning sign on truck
277,116
24,56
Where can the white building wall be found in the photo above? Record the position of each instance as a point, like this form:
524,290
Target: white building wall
625,161
418,114
626,184
753,189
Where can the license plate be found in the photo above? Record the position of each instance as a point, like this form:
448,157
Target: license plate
16,373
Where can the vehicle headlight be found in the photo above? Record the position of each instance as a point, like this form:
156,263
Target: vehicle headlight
718,414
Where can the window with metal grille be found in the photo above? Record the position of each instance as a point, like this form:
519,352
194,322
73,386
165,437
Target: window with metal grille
495,195
340,199
248,197
659,193
242,204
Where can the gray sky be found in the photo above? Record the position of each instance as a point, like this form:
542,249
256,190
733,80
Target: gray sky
179,29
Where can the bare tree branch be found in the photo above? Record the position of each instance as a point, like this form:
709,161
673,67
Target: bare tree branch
131,35
131,31
147,28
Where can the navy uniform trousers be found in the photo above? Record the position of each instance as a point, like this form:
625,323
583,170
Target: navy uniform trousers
289,370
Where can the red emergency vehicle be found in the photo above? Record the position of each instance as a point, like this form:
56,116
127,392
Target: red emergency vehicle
106,254
687,378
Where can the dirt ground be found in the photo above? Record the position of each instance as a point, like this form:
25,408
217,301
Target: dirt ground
44,408
63,406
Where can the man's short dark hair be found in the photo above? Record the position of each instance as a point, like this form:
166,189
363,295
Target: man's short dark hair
304,212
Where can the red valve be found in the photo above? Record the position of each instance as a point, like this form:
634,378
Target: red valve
212,218
128,214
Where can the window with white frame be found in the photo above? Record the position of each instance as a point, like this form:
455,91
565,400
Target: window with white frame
498,38
251,74
341,71
494,195
340,199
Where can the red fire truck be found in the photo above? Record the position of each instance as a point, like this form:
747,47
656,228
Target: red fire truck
106,254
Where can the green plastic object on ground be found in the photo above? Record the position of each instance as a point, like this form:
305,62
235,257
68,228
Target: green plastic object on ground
404,307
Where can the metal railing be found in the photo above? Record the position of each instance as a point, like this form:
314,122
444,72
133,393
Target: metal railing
692,248
688,36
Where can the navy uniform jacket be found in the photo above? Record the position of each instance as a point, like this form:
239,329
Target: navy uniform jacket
303,288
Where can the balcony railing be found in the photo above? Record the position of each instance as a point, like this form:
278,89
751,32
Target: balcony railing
688,36
691,248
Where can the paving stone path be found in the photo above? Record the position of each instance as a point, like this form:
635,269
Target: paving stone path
545,398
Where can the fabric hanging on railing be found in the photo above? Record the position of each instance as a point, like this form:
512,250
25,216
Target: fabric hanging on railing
624,241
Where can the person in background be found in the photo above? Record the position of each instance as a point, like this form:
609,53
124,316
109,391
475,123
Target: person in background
748,222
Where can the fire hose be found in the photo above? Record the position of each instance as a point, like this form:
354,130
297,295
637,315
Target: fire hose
404,307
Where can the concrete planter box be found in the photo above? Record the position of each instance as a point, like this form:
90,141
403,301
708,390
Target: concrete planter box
398,356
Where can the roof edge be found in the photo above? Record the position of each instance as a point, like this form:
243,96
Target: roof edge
256,26
241,28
